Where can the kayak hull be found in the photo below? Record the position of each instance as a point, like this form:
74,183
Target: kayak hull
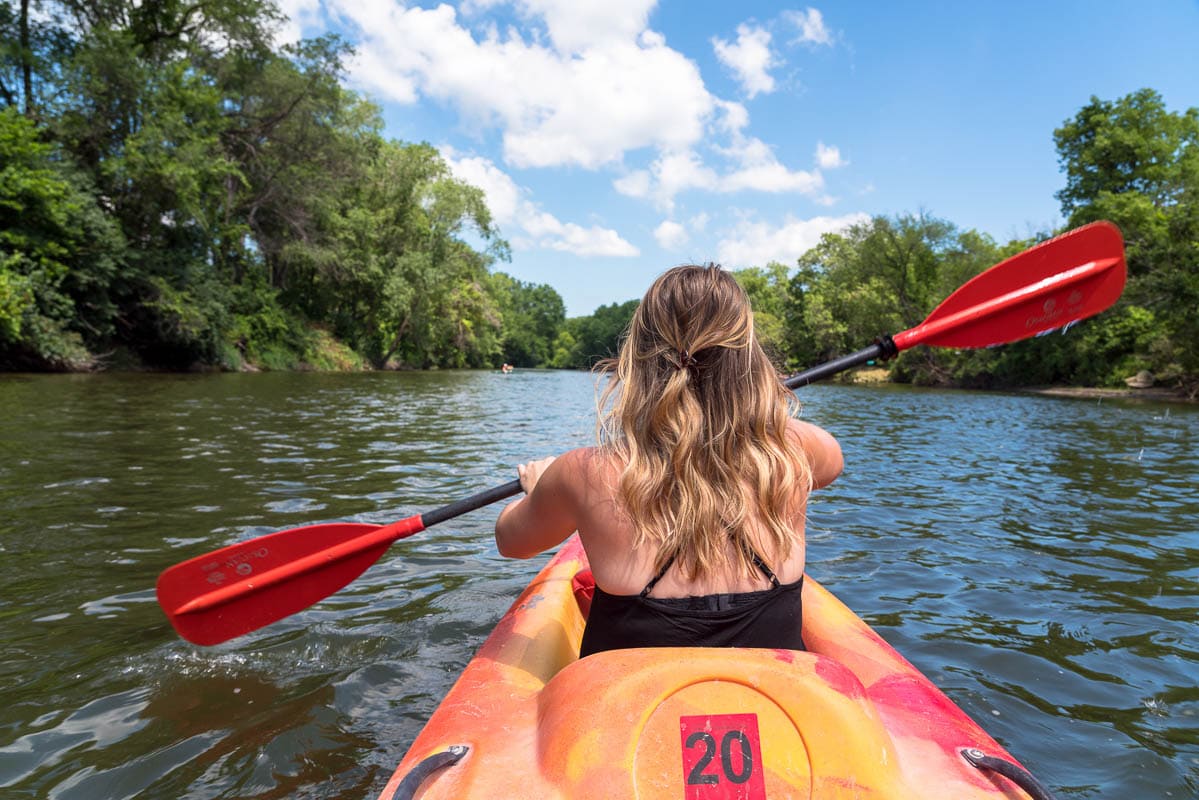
850,718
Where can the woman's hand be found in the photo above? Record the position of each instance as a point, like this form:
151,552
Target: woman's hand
538,521
531,472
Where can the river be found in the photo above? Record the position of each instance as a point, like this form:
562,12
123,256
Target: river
1037,558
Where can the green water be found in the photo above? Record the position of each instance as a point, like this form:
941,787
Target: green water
1037,558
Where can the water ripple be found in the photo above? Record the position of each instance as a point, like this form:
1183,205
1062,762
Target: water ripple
1038,558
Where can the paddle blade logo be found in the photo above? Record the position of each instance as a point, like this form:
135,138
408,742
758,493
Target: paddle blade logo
722,757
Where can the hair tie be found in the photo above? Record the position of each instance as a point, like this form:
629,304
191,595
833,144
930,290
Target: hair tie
686,360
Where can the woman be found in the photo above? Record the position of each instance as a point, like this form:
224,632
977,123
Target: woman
691,509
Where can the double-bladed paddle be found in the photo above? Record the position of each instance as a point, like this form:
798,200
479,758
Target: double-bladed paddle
215,597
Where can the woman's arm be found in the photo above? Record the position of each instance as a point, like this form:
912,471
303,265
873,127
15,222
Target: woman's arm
823,451
547,514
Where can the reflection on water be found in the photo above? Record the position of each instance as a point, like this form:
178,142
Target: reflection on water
1037,558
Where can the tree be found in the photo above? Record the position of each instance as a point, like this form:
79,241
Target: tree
586,340
389,270
766,288
58,254
533,315
1136,163
876,277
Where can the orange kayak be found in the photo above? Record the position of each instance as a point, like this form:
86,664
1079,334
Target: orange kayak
849,718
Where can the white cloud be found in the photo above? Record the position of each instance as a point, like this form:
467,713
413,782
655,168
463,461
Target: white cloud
300,14
583,101
749,58
635,184
811,26
828,157
751,165
759,169
671,235
757,243
579,83
535,228
575,25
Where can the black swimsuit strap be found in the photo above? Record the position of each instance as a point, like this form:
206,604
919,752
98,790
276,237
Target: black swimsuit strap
649,587
757,561
761,565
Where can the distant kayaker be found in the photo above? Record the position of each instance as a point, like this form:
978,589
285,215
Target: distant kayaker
691,508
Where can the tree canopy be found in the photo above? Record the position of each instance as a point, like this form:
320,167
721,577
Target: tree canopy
176,191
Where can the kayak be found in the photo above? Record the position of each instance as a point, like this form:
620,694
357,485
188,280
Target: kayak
848,718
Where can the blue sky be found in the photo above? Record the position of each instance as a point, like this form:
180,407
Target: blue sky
617,138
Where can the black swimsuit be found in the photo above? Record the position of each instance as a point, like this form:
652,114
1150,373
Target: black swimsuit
766,618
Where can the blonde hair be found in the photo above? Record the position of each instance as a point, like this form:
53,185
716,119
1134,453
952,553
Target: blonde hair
698,416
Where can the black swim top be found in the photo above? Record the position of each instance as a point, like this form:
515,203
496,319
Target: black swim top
766,618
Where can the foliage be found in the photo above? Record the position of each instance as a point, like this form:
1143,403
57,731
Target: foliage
878,277
586,340
1137,164
768,296
176,189
58,254
531,317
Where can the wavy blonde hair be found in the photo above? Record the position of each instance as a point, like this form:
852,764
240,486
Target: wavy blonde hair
697,415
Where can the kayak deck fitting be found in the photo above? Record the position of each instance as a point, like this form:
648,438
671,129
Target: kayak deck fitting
849,718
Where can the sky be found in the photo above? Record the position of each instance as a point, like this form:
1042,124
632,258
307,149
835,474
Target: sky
617,138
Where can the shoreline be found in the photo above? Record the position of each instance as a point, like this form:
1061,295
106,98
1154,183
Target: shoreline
878,376
1093,393
863,377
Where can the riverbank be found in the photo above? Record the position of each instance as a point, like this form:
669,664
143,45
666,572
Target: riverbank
878,375
1155,394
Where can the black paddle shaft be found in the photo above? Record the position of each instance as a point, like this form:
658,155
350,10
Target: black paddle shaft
881,350
471,503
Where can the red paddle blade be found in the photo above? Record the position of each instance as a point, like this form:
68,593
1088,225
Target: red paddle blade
214,597
1068,278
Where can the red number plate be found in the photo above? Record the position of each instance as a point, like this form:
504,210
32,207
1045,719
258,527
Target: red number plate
722,757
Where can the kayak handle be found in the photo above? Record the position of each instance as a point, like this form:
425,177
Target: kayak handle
413,780
1013,772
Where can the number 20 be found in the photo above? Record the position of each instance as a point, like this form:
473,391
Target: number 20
697,776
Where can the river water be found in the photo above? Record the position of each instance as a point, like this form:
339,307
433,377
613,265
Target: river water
1038,558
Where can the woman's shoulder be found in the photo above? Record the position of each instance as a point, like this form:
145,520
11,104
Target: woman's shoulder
589,464
822,449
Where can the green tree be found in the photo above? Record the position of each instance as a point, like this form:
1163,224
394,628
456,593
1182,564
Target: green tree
880,277
1136,163
586,340
391,271
767,289
58,254
876,277
533,315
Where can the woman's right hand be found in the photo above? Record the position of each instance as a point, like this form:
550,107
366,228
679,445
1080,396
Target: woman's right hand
531,472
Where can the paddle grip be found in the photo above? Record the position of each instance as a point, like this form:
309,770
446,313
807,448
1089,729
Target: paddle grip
460,507
881,350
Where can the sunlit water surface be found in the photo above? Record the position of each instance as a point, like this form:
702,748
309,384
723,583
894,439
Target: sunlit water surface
1037,558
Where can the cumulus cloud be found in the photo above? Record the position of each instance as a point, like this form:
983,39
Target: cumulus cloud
758,168
810,24
575,25
749,58
532,226
671,235
749,164
829,157
300,14
753,243
582,99
573,83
